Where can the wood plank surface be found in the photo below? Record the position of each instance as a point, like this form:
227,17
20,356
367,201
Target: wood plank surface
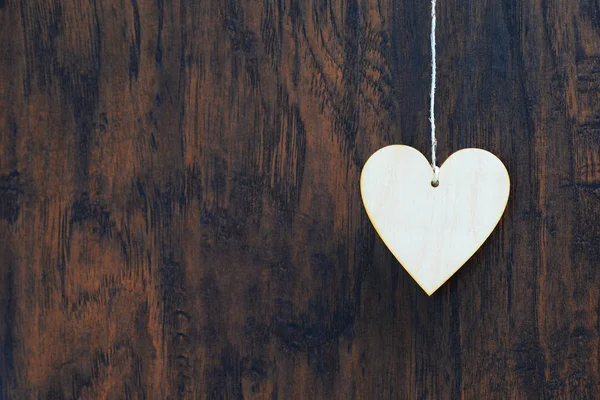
180,214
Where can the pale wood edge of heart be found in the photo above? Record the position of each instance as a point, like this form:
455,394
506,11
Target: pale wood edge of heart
446,278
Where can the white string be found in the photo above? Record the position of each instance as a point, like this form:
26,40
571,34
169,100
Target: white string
432,94
436,171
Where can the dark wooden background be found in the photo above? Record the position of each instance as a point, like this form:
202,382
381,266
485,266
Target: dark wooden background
180,214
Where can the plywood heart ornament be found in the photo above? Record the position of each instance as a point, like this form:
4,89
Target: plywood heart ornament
433,231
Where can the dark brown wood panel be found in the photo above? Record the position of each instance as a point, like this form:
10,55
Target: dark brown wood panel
180,214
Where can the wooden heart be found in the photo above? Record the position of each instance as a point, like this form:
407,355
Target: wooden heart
433,231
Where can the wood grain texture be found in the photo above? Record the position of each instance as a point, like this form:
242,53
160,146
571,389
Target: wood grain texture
433,222
180,214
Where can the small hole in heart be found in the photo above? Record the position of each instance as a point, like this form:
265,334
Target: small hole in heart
435,183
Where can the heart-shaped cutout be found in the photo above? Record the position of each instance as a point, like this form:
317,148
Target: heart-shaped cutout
433,231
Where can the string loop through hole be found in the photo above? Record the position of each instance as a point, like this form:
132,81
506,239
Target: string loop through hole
435,181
